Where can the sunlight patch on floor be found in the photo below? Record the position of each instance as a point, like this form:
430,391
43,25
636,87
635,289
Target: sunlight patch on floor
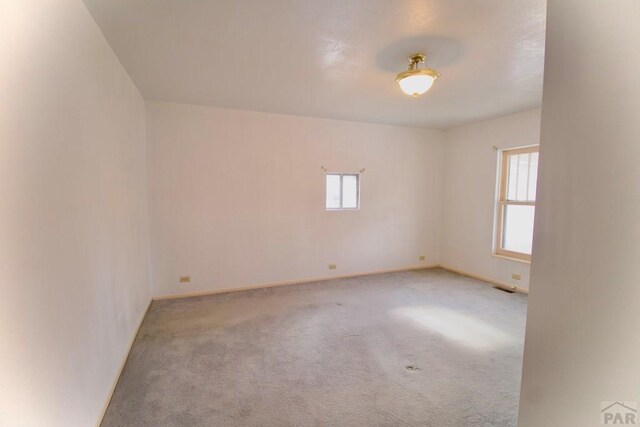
454,326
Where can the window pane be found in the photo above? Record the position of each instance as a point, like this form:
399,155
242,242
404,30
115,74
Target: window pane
533,176
523,174
333,191
512,178
349,191
518,228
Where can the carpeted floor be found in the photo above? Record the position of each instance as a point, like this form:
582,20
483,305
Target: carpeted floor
418,348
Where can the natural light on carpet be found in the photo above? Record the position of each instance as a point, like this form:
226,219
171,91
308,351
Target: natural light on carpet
454,326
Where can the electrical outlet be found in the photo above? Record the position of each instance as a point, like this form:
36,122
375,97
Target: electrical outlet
515,276
332,266
421,258
185,279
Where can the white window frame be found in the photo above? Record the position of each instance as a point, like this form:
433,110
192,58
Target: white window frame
503,202
357,175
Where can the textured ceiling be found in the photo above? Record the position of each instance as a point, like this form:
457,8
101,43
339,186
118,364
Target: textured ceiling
333,58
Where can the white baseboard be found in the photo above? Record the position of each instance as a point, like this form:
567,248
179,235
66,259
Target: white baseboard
485,279
122,363
342,276
290,282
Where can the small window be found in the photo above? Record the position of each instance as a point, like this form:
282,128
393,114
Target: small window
517,202
343,191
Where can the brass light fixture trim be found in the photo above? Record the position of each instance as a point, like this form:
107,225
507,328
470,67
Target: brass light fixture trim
416,81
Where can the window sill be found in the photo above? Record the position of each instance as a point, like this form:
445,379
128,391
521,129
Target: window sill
508,258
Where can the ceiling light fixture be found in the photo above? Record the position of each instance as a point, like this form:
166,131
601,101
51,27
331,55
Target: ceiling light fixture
416,81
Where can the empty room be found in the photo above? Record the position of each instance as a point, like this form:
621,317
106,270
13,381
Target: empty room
319,213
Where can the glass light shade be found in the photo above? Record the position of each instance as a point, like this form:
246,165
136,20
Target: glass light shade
417,82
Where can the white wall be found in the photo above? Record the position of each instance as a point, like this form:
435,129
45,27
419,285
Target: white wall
74,250
582,344
237,197
470,194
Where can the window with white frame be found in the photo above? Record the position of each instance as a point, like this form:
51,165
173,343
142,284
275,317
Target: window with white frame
343,191
516,202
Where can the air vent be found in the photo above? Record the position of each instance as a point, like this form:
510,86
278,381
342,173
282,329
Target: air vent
509,291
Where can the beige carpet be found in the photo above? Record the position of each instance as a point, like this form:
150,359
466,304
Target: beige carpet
420,348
